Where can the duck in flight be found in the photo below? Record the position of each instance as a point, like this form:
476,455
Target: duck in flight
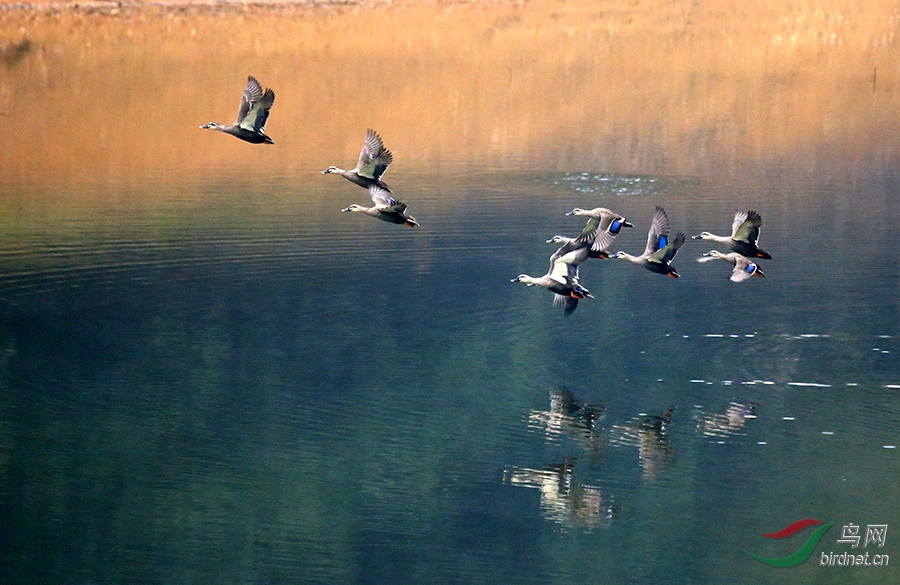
374,159
252,115
660,249
562,280
608,227
386,208
744,268
744,238
580,246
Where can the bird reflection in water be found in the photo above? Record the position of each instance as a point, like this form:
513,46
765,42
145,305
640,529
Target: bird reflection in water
649,433
565,499
572,418
728,424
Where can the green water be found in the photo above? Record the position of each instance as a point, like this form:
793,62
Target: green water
210,390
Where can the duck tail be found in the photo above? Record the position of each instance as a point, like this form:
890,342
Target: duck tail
410,222
673,274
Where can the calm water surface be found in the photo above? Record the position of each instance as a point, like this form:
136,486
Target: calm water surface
208,376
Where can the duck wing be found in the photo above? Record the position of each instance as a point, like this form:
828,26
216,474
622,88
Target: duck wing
608,228
259,113
658,236
584,240
382,197
746,226
562,270
743,269
665,254
252,94
588,232
374,158
570,303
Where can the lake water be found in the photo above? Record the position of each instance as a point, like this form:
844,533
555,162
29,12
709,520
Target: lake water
209,374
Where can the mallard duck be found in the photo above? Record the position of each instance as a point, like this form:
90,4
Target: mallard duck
252,115
609,226
561,280
660,250
581,245
374,159
743,267
386,208
744,236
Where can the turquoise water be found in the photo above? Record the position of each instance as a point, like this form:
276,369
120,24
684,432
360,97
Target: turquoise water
243,385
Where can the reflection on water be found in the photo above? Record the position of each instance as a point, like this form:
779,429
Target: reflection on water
722,426
210,373
565,499
649,433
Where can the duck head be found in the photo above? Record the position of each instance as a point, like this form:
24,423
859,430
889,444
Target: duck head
524,278
331,169
354,207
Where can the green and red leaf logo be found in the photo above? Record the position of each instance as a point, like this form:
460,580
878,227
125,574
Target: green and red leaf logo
802,553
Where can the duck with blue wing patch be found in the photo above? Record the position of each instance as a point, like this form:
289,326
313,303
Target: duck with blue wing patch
609,225
660,248
744,268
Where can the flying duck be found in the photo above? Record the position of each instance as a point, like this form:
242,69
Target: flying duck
252,115
744,236
660,249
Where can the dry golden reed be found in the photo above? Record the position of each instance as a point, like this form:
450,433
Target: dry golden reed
666,86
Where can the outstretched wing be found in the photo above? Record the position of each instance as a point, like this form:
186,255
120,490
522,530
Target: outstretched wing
570,303
746,226
607,230
374,158
667,252
562,270
743,269
252,94
383,199
584,240
658,236
256,118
